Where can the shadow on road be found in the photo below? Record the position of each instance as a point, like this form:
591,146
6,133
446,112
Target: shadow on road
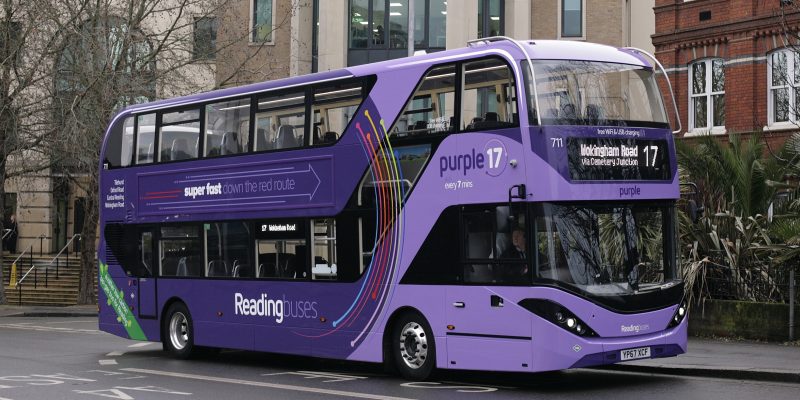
563,382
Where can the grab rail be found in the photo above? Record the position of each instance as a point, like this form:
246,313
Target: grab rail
34,267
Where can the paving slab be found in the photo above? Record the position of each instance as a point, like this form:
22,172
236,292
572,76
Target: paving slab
727,359
8,310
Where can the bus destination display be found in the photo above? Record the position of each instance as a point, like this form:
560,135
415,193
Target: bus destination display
605,159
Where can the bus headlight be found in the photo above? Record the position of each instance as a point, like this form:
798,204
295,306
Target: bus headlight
558,315
679,315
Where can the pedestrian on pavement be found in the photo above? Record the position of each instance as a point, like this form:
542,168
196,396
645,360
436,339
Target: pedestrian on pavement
10,241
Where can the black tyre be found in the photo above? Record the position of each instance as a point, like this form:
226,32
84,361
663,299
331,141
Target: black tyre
178,337
413,347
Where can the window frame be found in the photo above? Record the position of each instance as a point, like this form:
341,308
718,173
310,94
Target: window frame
210,55
459,91
252,28
709,94
484,17
367,82
561,22
386,45
791,69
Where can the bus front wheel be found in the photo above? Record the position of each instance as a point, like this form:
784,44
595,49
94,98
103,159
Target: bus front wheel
413,347
178,336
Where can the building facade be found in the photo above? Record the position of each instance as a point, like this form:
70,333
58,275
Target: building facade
255,40
732,65
49,207
319,35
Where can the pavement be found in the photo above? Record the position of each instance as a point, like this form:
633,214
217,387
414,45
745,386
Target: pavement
7,310
714,358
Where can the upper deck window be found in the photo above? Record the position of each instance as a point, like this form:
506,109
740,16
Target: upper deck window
432,108
179,136
280,122
332,109
489,99
146,125
595,93
118,147
227,127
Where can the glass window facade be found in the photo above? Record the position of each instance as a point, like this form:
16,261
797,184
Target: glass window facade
205,38
571,18
262,21
490,18
379,29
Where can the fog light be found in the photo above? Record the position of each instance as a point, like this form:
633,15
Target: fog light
570,322
560,317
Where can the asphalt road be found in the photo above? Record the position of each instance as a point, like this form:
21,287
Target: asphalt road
67,358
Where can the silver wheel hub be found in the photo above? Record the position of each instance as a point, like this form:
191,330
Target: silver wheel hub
413,345
178,331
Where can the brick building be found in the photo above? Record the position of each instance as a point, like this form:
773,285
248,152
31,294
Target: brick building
730,65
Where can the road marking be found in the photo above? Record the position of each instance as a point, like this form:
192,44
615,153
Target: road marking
331,377
69,322
262,384
458,388
108,362
49,329
115,354
141,344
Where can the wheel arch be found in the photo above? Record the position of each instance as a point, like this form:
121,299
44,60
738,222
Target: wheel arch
162,321
388,328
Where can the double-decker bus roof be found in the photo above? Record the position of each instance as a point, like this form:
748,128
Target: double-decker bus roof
537,50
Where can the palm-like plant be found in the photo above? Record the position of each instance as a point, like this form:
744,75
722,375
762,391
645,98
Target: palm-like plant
734,182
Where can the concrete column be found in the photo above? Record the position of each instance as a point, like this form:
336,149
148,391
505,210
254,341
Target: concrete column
518,19
334,19
462,23
301,37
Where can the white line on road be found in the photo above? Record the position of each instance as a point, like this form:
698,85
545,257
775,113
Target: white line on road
72,322
108,362
49,329
115,354
263,384
141,344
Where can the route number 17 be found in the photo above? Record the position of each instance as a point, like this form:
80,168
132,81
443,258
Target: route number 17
647,150
495,155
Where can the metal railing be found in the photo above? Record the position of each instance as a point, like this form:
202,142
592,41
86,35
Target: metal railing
6,232
46,267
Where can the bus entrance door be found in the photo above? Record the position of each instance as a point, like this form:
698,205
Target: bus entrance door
486,331
147,284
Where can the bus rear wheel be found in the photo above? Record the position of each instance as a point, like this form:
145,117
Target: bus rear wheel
178,336
413,347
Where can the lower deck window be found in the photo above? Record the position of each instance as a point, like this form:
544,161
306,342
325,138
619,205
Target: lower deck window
181,251
284,259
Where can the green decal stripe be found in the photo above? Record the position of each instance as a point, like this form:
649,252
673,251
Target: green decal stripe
115,298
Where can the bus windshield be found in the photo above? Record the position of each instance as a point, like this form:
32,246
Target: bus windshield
616,249
594,93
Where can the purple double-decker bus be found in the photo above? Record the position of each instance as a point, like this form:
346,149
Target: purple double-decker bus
508,206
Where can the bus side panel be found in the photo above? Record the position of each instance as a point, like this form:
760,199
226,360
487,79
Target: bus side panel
426,300
499,354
